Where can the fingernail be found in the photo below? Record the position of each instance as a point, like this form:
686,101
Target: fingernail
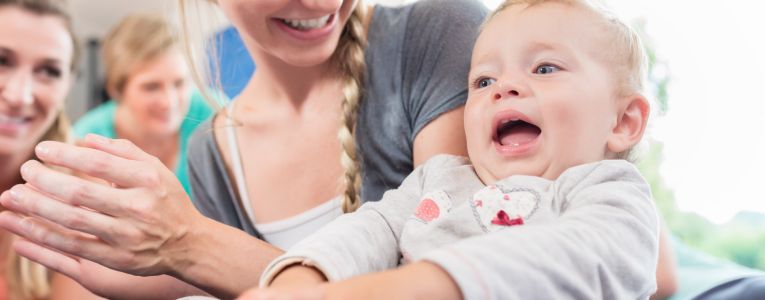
25,168
97,139
42,150
16,194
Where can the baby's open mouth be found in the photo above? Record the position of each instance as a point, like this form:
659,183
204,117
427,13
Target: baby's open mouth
515,132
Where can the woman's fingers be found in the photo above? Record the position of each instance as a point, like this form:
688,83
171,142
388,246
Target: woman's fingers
72,190
54,237
28,201
121,171
119,147
51,259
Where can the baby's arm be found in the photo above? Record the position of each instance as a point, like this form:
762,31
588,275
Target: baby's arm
361,242
602,246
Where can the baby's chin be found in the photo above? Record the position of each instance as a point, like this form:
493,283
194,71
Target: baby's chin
490,175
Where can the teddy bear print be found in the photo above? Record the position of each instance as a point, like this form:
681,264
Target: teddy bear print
496,208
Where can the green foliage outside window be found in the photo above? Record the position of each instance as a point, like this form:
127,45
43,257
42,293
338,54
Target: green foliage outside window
741,240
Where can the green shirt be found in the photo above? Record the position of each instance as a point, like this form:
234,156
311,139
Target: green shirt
100,120
698,272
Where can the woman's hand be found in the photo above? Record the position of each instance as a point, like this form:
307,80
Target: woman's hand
138,223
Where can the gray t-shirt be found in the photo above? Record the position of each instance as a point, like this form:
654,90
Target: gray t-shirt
592,233
418,58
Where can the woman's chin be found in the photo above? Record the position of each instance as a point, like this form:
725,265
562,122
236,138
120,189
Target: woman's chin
304,58
163,130
15,146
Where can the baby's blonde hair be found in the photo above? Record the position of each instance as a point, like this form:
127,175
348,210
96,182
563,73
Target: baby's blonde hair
626,55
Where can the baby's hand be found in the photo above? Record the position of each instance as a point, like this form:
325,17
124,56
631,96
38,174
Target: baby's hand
295,282
284,293
297,276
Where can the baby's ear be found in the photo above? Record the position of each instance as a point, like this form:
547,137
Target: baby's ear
631,122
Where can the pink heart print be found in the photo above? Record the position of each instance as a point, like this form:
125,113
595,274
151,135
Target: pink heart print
433,206
427,210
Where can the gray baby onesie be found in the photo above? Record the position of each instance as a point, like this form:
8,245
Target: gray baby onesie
590,234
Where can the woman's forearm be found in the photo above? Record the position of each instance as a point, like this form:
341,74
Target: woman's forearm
220,259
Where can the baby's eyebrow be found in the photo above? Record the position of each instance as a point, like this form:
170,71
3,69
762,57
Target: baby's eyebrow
535,50
535,47
483,67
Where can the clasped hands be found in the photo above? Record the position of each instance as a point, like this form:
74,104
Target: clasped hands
137,223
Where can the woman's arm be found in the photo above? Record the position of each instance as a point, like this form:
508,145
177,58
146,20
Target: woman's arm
666,271
142,224
64,288
444,135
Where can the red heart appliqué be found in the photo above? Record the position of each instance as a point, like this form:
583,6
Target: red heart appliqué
427,210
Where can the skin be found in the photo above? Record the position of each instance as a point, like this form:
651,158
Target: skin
541,71
153,103
34,82
144,224
666,272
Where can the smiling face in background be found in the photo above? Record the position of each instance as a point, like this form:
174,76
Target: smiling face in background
541,97
300,33
36,53
157,94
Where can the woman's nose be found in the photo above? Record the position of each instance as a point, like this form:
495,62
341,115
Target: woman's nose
17,89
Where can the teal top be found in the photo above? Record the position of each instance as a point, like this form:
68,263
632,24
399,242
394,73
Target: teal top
100,120
698,272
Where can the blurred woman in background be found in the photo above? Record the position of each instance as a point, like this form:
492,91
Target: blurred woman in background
154,105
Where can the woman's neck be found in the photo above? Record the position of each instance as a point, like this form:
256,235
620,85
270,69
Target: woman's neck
164,147
277,81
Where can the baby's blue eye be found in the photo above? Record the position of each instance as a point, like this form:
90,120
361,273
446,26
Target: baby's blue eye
484,82
546,69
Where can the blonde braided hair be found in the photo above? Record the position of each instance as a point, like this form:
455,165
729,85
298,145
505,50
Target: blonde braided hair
350,59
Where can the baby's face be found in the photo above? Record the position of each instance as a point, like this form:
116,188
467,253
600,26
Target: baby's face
541,98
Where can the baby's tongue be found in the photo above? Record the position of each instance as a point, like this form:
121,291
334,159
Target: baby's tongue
519,134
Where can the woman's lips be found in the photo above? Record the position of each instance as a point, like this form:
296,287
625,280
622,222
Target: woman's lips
11,127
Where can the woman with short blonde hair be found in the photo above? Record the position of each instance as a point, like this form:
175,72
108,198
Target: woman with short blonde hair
153,102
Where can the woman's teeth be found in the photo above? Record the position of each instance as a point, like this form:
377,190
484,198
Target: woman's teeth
307,24
5,119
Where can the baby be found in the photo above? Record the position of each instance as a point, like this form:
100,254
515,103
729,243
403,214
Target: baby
545,207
